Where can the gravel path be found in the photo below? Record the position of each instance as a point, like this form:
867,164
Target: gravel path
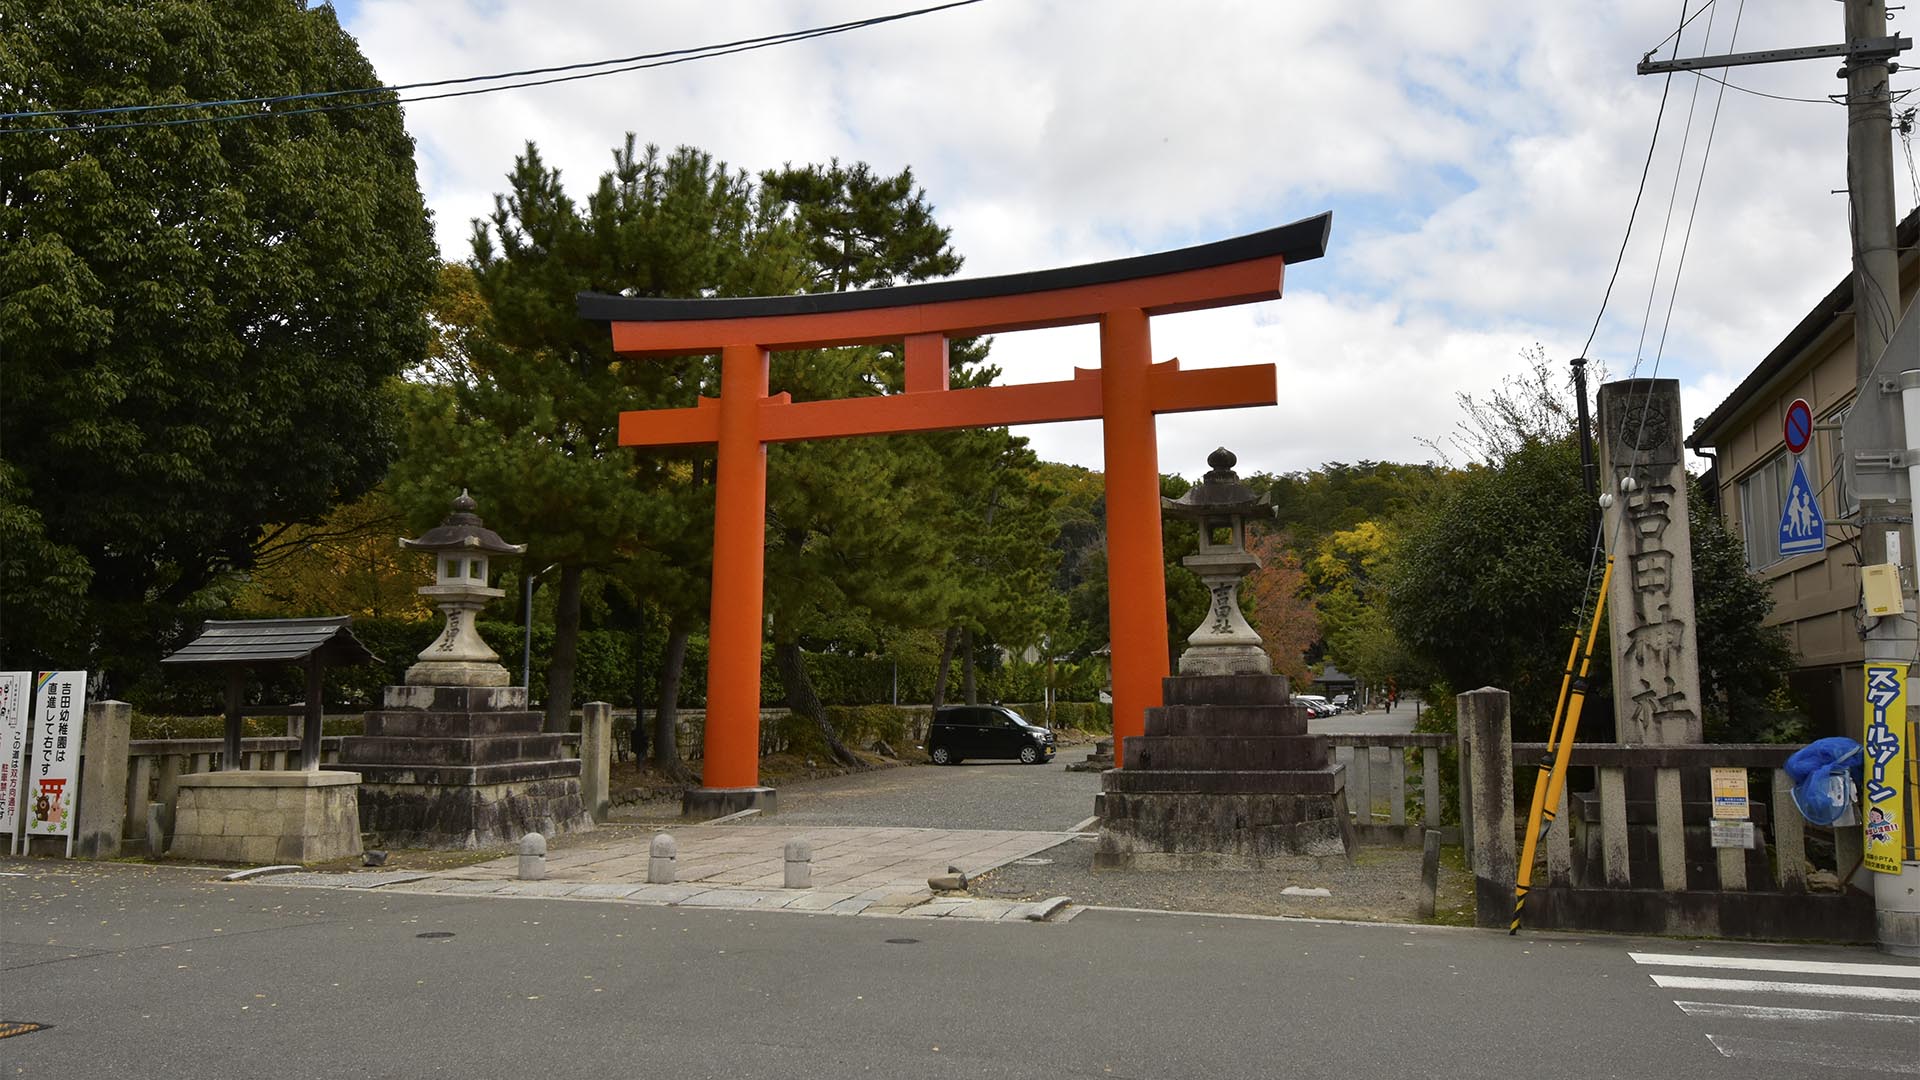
971,795
1381,885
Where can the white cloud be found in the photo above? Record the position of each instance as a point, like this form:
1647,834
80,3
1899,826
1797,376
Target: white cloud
1481,157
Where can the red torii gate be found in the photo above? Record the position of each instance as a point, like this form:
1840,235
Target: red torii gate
1125,393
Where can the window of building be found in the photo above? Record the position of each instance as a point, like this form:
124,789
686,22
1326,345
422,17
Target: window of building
1762,494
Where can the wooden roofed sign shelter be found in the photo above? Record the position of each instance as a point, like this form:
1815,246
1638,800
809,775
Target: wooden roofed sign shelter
1125,393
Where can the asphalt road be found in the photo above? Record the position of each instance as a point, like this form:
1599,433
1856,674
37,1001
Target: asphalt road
971,795
160,973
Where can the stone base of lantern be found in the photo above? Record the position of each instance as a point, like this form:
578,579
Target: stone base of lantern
457,673
1226,777
462,767
1226,660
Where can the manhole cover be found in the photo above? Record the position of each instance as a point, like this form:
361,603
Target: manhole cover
435,934
1034,860
903,941
10,1028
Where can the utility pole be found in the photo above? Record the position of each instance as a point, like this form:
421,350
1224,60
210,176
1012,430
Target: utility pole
1876,311
1886,510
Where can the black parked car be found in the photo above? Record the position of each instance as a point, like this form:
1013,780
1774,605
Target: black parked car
959,732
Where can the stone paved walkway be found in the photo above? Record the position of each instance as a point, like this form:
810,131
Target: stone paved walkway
856,871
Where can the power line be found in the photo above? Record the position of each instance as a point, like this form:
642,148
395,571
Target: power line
628,64
1646,168
1673,198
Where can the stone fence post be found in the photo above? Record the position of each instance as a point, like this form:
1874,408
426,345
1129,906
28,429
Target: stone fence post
596,759
103,780
1485,729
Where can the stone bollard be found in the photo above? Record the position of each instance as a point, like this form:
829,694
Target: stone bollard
533,857
596,759
660,860
103,780
1486,762
799,864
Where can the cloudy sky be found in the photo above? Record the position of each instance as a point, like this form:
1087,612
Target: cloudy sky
1480,158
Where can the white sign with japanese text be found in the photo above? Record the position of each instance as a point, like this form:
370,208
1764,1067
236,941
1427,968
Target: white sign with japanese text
53,780
14,708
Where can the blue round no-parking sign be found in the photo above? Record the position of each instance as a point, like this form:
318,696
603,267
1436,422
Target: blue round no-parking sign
1799,425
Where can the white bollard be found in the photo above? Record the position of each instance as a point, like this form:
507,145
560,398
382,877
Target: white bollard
533,857
799,864
660,860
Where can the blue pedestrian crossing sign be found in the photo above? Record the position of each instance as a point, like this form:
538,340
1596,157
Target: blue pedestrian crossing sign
1802,529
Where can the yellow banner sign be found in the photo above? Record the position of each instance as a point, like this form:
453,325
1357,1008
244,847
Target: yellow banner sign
1882,795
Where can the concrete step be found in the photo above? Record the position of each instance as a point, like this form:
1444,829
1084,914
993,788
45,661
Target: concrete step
1153,753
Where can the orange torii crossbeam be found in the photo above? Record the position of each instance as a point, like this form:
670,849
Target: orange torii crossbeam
1125,393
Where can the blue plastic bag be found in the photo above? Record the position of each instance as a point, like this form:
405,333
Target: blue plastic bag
1826,779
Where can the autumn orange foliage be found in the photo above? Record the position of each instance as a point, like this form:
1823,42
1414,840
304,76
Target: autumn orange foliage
1284,617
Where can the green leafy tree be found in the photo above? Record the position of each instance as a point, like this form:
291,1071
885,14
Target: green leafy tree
530,420
1490,580
1743,661
853,524
199,320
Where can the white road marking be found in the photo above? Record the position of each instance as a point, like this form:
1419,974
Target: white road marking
1840,1057
1773,1012
1798,967
1761,986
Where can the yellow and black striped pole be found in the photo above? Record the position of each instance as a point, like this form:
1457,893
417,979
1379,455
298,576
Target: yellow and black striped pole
1546,799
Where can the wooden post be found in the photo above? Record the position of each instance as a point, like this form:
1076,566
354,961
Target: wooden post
315,719
1486,736
236,692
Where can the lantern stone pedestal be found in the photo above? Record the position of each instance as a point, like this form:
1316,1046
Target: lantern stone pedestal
454,758
265,816
462,767
1226,775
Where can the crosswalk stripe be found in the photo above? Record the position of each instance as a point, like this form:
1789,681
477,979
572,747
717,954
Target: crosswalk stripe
1842,1057
1775,1012
1798,967
1763,986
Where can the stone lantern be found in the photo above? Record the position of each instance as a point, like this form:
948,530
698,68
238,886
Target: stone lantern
1224,644
460,546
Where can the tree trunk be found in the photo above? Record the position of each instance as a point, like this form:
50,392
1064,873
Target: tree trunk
666,715
946,661
802,699
966,667
637,740
566,640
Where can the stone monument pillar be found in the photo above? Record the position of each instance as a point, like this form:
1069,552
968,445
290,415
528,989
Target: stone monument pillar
1656,661
1226,774
455,759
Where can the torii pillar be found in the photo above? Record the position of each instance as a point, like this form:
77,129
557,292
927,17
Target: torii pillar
1126,392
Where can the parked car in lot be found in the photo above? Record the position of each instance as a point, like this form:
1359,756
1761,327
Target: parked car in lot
959,732
1341,702
1317,706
